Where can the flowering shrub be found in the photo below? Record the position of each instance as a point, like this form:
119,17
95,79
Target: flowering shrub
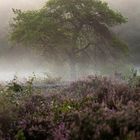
94,108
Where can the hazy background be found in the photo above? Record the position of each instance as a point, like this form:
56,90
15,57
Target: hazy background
131,30
14,59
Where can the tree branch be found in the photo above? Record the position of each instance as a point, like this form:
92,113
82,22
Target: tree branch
84,48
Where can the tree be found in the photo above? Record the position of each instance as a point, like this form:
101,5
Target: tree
69,29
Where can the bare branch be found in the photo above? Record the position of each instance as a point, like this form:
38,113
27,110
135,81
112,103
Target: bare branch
84,48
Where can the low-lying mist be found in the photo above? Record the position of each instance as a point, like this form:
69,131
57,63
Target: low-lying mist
23,62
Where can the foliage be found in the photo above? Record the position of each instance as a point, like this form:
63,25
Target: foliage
15,91
70,30
133,78
94,108
20,135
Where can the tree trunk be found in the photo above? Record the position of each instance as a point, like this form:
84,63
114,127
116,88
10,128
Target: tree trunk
73,72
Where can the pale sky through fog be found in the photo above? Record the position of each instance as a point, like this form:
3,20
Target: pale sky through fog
7,5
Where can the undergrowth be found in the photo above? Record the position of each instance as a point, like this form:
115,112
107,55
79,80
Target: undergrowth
95,108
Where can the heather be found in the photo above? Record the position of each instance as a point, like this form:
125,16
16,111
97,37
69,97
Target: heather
93,108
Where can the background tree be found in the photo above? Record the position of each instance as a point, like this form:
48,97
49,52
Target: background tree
72,30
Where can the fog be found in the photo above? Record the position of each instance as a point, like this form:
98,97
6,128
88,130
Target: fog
131,30
23,61
15,60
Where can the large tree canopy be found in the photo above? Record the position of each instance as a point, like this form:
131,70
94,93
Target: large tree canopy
70,28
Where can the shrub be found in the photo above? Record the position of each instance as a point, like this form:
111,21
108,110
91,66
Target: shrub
95,108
